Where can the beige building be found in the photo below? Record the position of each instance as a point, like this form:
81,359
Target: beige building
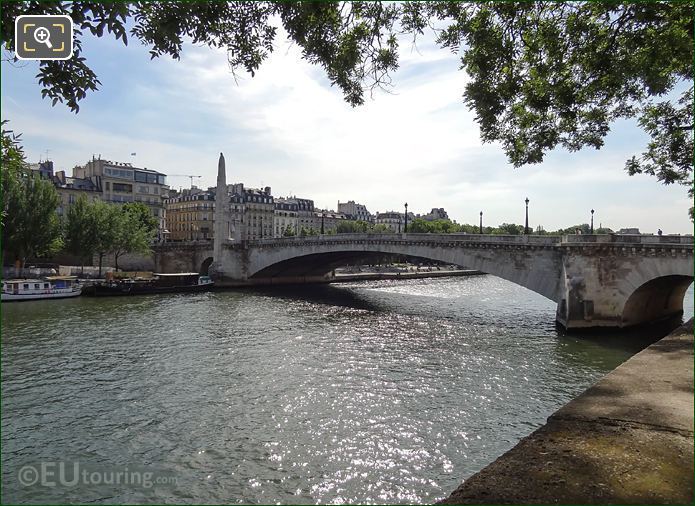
190,215
285,217
390,219
69,188
121,182
355,211
252,211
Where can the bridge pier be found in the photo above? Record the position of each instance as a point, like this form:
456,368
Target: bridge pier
623,286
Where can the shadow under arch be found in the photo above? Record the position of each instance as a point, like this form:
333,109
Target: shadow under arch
205,266
657,299
319,264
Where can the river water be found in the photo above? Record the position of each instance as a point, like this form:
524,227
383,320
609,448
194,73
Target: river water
370,392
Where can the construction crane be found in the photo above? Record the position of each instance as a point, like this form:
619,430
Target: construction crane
185,175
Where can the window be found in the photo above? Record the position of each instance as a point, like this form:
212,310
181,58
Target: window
26,286
37,286
144,189
108,186
119,173
45,285
121,187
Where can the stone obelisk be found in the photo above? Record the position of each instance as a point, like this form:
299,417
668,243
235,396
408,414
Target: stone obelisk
221,219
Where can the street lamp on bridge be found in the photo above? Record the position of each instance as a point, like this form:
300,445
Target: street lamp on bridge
592,221
481,222
526,226
405,229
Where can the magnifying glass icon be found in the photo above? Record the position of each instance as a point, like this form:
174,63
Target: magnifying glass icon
43,36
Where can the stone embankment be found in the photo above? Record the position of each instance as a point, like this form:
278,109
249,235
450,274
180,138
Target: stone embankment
626,440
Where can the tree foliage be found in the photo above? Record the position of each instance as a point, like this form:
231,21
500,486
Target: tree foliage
31,228
144,217
79,240
133,231
30,225
352,227
109,228
354,42
548,74
542,74
12,169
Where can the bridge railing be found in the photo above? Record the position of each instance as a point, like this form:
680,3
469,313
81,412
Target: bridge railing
628,239
457,237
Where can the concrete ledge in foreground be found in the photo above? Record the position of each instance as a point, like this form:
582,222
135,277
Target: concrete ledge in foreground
626,440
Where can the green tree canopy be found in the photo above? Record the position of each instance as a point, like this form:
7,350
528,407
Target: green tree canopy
12,169
31,228
102,223
548,74
79,240
132,230
144,217
354,42
508,229
542,74
352,227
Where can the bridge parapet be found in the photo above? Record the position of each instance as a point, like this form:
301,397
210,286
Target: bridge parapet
544,240
407,238
628,239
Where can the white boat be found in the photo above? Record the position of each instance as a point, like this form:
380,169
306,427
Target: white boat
51,287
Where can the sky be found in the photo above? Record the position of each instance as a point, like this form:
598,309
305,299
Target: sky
287,128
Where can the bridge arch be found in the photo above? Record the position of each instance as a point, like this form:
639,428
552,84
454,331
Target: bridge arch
597,281
533,267
205,266
656,299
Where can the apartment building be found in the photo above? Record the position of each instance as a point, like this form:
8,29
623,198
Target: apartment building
122,182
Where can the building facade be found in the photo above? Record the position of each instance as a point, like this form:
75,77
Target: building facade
190,215
390,219
437,213
252,211
69,188
355,211
285,219
121,182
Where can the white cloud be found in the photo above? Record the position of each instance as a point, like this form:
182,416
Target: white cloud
286,128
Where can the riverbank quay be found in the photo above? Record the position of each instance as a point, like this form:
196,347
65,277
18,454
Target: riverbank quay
628,439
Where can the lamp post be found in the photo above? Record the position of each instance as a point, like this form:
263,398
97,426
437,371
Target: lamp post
481,222
592,221
405,229
526,226
322,216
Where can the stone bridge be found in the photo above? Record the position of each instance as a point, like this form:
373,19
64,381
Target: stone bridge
596,280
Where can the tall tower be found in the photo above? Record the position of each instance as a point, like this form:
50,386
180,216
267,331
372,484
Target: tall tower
221,217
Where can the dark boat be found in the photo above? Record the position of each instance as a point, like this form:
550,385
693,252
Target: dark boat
158,283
